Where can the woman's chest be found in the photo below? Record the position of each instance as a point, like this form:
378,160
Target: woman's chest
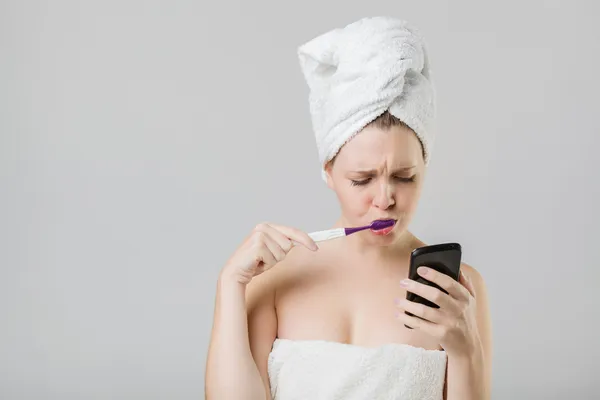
354,307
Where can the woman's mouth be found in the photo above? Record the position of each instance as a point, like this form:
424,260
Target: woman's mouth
384,231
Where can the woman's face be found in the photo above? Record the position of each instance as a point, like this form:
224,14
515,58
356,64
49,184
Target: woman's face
376,175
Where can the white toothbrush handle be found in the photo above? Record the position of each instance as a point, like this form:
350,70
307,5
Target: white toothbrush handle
327,234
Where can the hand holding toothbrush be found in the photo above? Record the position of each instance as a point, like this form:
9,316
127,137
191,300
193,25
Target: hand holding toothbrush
270,243
266,245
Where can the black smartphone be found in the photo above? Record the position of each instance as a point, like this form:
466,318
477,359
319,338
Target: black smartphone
444,257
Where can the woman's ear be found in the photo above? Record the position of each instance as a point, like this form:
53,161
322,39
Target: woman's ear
329,174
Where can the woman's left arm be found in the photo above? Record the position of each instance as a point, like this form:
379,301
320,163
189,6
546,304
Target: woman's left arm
462,325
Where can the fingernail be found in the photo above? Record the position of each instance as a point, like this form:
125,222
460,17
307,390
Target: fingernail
423,270
404,283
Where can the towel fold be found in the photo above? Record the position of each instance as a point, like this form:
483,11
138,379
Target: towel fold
358,72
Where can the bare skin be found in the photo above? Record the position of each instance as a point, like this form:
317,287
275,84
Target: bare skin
351,292
346,290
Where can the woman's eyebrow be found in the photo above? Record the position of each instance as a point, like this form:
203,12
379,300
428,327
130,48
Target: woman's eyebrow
372,171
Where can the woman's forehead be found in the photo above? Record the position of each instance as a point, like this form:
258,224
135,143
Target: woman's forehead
371,147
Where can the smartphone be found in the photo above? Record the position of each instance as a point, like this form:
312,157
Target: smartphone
444,257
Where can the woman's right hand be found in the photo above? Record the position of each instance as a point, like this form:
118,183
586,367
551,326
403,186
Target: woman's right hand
267,245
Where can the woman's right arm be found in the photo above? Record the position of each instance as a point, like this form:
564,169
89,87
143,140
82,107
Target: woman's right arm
244,329
244,323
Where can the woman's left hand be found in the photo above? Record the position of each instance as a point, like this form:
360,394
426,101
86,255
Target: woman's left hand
454,323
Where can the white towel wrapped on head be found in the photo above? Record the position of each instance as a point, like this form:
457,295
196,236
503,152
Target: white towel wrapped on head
358,72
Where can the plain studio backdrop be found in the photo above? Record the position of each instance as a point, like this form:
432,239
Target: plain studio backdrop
142,140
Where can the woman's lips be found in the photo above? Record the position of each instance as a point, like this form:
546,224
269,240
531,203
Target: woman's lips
384,231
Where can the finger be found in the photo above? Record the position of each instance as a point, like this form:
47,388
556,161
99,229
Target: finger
465,280
265,256
433,294
297,235
421,310
283,241
276,250
444,281
264,248
414,322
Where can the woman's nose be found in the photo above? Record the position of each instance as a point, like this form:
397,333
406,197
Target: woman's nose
384,198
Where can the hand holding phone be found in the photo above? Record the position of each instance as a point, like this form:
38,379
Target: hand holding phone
444,258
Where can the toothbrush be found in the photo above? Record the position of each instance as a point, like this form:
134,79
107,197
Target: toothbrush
340,232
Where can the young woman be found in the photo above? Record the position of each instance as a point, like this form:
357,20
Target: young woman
297,321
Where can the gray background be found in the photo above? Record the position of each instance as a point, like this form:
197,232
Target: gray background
142,140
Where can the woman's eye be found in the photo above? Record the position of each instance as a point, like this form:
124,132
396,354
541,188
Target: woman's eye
398,178
360,183
404,179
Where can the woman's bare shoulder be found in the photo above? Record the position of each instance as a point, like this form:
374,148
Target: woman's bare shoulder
473,274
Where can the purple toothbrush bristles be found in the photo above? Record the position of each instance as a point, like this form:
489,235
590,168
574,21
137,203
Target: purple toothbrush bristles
376,225
382,224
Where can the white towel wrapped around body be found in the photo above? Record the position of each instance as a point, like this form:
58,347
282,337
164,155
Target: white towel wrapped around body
358,72
323,370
